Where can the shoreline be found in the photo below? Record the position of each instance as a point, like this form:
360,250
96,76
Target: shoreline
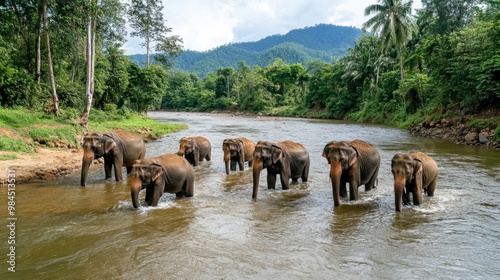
47,164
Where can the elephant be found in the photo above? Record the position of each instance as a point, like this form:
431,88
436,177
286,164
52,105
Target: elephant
195,149
287,158
237,150
356,162
119,148
169,173
413,173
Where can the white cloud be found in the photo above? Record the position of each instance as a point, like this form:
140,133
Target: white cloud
204,25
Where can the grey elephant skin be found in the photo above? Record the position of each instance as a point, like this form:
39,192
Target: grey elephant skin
287,158
413,173
237,151
119,148
355,162
195,149
168,173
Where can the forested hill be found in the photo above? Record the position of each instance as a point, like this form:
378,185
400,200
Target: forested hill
320,42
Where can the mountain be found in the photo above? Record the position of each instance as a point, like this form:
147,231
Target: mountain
322,42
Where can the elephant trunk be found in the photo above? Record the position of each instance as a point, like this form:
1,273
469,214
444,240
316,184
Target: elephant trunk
88,157
135,188
257,167
399,186
227,159
181,151
335,175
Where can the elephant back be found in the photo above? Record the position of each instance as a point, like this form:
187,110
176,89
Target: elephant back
293,149
175,164
131,144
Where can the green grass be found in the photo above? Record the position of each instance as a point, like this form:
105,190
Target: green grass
14,145
8,157
137,124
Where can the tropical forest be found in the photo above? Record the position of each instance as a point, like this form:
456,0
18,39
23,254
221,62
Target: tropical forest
63,62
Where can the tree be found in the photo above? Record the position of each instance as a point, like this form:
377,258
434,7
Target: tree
89,92
55,99
146,19
225,81
147,87
394,24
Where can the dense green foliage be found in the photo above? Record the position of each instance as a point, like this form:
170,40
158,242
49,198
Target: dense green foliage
451,67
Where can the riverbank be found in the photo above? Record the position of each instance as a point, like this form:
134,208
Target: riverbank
460,130
41,147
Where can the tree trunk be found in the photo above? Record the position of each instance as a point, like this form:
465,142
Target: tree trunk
38,71
55,100
147,52
401,63
89,91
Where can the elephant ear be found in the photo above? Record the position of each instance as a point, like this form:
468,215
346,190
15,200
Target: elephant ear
418,167
225,144
240,146
326,152
156,171
353,156
276,153
109,143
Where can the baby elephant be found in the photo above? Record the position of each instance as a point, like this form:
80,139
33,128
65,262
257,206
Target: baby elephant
237,151
413,173
195,149
168,173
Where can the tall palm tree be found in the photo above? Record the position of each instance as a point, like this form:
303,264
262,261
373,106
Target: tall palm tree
394,24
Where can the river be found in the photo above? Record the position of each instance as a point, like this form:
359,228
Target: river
67,231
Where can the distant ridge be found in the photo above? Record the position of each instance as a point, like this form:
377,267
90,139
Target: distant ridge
321,42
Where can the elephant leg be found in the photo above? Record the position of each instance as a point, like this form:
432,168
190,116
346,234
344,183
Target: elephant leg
179,194
233,165
372,182
149,194
156,194
250,163
285,181
209,156
305,174
190,159
196,159
271,180
343,188
188,188
107,169
431,188
406,197
129,169
241,164
118,163
353,191
417,190
118,172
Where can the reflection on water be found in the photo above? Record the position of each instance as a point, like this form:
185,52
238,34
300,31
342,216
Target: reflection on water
95,233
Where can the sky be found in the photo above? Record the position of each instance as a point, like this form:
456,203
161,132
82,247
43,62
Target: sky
206,24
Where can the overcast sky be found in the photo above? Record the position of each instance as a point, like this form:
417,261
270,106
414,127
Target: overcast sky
206,24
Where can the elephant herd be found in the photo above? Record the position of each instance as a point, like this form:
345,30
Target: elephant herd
355,162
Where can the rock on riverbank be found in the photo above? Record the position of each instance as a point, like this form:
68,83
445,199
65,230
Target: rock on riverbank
457,132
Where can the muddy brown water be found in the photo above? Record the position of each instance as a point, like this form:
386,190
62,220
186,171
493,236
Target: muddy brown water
64,230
